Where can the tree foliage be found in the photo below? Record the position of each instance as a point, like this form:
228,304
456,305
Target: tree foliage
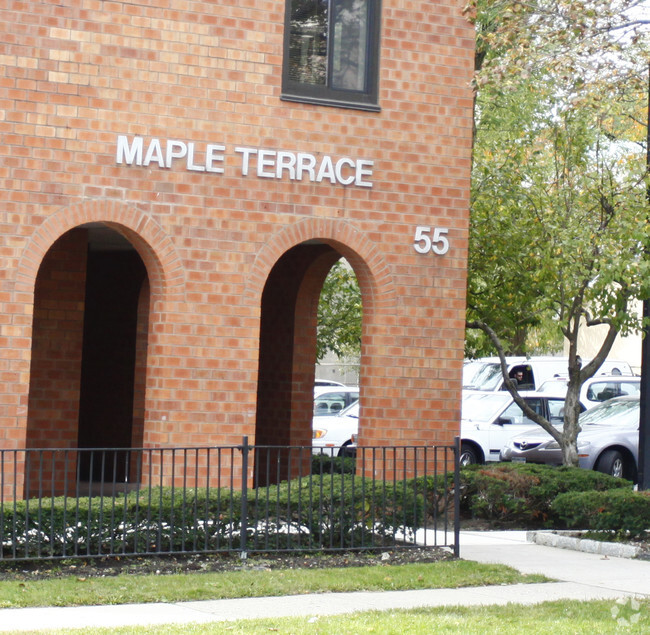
559,211
340,314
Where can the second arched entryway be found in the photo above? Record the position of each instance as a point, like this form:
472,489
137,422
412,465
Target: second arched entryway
289,327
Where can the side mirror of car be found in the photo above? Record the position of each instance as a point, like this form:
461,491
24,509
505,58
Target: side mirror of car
504,421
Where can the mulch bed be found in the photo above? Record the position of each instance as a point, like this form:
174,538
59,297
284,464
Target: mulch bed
165,565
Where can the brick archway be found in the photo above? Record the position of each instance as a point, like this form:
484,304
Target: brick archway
165,269
165,284
286,279
369,266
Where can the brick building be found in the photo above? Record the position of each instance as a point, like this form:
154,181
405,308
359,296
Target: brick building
177,178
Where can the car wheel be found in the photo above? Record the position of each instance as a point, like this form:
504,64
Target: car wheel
611,462
468,455
347,451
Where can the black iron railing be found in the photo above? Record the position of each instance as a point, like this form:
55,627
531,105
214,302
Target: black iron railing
65,503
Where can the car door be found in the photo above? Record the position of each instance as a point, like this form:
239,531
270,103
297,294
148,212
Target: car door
511,422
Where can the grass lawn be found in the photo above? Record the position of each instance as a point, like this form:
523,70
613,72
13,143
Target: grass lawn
123,589
552,618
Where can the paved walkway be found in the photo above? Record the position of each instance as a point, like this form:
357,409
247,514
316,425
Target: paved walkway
580,575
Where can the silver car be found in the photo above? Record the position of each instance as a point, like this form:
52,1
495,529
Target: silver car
608,441
490,419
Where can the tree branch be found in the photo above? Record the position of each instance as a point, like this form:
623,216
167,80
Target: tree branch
510,385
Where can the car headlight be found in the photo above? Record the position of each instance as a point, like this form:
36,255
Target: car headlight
553,445
583,445
318,434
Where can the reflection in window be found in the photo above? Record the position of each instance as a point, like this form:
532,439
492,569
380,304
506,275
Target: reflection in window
332,48
349,45
308,41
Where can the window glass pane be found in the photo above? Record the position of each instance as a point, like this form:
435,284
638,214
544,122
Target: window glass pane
514,414
329,402
603,391
308,42
350,37
556,411
630,388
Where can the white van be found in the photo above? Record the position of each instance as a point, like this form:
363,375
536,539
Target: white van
597,389
485,373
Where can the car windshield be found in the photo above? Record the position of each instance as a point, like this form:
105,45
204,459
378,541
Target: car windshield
482,407
615,412
482,375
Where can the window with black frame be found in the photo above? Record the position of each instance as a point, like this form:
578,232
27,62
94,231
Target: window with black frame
331,52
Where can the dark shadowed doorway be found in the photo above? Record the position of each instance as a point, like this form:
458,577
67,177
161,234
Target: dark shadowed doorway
90,329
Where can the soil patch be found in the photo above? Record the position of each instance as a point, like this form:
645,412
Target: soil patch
166,565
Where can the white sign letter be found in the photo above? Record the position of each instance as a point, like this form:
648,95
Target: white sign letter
190,159
361,172
286,161
326,170
246,153
126,154
211,157
265,159
305,163
175,150
154,153
339,171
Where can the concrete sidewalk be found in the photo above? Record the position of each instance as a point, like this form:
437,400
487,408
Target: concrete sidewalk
581,575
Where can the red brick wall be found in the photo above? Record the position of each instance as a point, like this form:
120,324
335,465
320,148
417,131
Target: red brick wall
55,371
76,75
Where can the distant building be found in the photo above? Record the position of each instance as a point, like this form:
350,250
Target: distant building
345,371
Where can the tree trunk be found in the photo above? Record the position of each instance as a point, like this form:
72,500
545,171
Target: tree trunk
569,444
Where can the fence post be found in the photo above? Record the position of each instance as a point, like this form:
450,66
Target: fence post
457,497
244,498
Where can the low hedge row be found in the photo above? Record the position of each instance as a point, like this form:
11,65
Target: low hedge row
538,496
331,509
322,511
623,513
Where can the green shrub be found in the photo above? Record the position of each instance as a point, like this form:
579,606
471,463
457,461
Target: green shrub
326,464
150,520
623,512
438,491
317,512
523,494
342,511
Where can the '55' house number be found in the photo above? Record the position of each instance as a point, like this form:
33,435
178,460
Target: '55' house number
431,239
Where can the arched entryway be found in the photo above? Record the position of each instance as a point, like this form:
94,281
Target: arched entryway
89,342
285,393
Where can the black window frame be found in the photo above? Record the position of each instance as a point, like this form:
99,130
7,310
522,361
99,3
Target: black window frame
324,95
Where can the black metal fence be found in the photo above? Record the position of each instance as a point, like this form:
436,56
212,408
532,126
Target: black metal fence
66,503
